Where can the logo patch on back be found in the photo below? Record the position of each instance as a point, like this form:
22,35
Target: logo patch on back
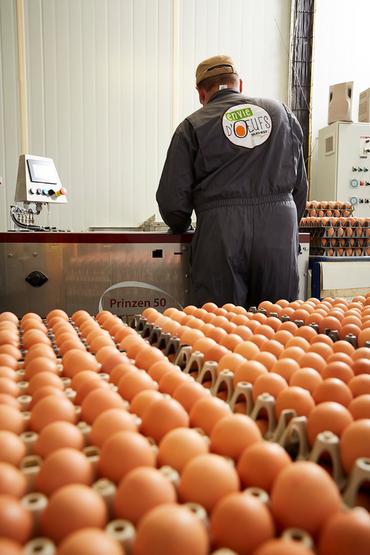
247,125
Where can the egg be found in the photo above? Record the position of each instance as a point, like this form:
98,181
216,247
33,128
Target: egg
98,401
285,367
8,361
38,350
249,371
361,366
6,399
41,380
87,387
171,528
109,358
123,452
360,407
11,350
346,532
260,463
11,419
75,361
142,400
271,383
328,416
140,491
63,467
232,434
8,316
294,398
206,479
332,389
206,412
283,546
70,344
12,448
132,344
82,377
10,547
9,387
161,417
72,508
188,393
45,391
58,435
90,541
12,481
241,522
33,337
179,446
110,422
355,443
360,385
308,378
51,409
304,496
15,520
133,382
172,379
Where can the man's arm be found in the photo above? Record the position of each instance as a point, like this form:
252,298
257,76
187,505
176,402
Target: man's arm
174,193
300,188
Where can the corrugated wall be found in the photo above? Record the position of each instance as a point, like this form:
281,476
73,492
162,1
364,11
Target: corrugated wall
107,81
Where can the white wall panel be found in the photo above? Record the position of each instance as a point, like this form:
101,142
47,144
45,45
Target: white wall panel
255,34
104,91
341,54
9,113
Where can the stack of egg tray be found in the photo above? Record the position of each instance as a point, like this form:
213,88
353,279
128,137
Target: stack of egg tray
328,209
337,236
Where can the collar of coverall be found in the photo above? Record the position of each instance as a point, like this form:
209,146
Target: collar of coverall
222,92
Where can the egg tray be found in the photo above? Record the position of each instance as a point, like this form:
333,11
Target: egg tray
328,212
289,430
340,252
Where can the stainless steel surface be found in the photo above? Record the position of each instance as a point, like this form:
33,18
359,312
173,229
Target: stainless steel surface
79,274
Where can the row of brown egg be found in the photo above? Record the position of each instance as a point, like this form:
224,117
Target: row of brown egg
230,538
331,204
340,251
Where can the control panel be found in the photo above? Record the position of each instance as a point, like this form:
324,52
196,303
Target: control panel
344,166
38,181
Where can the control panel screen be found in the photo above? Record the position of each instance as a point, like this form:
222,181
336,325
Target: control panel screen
42,171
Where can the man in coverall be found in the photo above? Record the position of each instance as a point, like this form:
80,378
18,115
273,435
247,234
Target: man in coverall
238,162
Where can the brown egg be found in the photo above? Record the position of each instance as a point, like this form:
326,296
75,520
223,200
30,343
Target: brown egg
72,508
70,344
147,357
171,528
142,400
161,417
39,350
98,401
10,547
76,361
57,312
360,385
11,419
58,435
285,367
132,344
346,532
242,523
100,341
361,353
8,337
51,409
90,541
8,317
339,370
179,446
232,434
45,391
206,479
271,383
355,443
123,452
11,350
33,337
6,399
8,361
82,377
206,412
328,416
249,371
12,481
361,366
188,393
260,464
15,520
9,387
294,352
332,389
43,379
360,407
308,378
12,448
63,467
109,357
87,387
40,364
140,491
34,325
133,383
294,398
110,422
304,496
121,370
283,546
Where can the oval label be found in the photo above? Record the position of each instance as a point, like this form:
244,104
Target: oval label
247,125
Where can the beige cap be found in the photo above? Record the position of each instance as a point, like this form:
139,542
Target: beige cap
217,65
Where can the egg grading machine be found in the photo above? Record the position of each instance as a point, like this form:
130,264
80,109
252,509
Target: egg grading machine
120,272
